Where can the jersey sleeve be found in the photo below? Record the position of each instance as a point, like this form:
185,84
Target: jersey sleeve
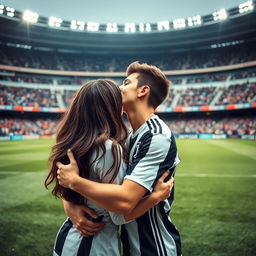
155,154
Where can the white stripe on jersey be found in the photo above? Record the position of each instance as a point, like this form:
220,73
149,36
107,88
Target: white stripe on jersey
153,230
72,243
169,242
156,233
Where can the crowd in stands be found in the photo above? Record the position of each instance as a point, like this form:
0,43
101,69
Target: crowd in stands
41,127
228,126
109,63
237,94
78,81
196,96
18,96
207,78
27,79
243,74
187,97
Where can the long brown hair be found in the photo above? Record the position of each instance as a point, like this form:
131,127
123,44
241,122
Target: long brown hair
95,115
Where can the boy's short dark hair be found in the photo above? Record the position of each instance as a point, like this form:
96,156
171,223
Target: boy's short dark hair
154,78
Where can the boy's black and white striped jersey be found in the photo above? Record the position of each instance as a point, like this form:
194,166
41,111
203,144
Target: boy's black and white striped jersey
152,151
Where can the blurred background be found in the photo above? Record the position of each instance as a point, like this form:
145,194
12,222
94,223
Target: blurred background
207,49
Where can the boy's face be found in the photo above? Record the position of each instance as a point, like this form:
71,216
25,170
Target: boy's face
129,91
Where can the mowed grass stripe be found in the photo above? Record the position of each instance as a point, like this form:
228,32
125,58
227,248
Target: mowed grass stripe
19,189
25,166
19,147
199,175
237,147
26,143
14,151
200,156
25,156
206,175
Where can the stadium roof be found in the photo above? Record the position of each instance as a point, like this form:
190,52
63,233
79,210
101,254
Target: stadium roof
237,28
120,12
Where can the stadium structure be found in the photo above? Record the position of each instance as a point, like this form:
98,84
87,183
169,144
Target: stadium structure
211,61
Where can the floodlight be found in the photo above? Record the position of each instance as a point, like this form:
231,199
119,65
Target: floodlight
148,27
129,27
77,24
220,15
163,25
144,27
246,6
194,21
93,26
112,27
1,9
179,23
54,22
30,17
10,11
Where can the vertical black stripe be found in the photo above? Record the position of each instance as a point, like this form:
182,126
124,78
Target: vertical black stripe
168,161
160,235
154,125
125,241
146,237
155,231
85,246
132,141
60,240
171,228
149,125
143,150
159,125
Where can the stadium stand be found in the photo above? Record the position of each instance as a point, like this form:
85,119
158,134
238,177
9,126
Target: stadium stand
41,127
227,126
96,63
208,73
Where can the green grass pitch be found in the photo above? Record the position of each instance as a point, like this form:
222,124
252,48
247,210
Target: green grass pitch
214,208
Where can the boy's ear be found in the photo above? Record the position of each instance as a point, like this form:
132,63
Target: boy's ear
145,89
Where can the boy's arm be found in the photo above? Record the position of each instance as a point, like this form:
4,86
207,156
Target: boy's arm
117,198
121,198
162,191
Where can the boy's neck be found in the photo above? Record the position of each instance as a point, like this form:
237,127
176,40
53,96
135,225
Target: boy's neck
138,117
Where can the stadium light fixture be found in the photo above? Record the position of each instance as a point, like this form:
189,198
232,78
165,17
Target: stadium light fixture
93,26
30,17
112,27
129,27
163,25
77,25
148,27
10,11
1,9
179,23
194,21
54,22
246,6
144,27
220,15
